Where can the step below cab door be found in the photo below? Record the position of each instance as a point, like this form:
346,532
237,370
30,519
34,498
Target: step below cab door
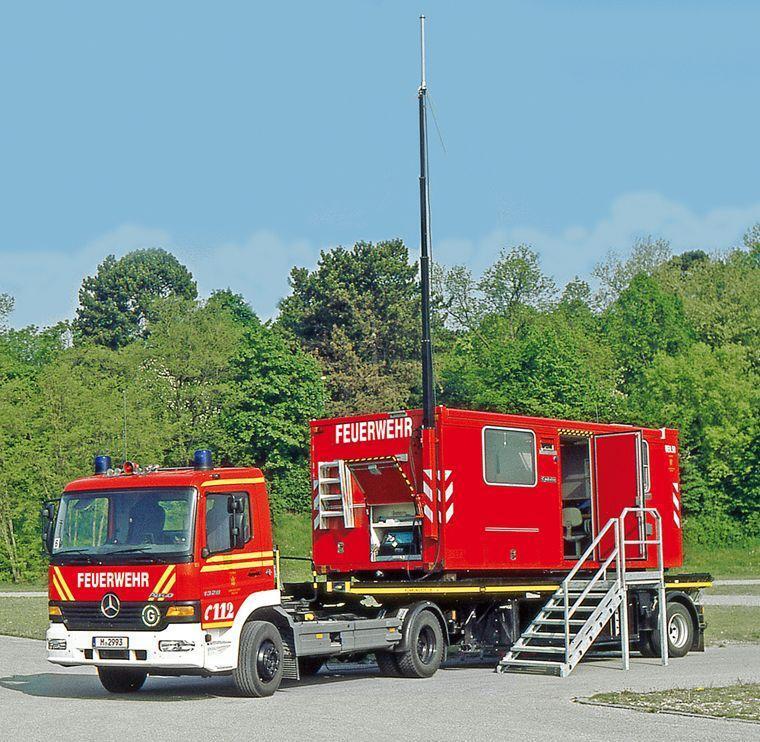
619,484
236,557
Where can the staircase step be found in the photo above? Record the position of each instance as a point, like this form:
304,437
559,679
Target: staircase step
584,583
639,578
329,480
510,664
537,648
331,496
557,621
534,634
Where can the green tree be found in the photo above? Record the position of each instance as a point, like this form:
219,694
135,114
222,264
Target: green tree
116,305
358,314
553,366
713,397
513,282
644,320
615,272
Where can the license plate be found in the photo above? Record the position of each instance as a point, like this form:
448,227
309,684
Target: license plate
110,642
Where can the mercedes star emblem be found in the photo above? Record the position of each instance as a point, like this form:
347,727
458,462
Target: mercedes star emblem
110,605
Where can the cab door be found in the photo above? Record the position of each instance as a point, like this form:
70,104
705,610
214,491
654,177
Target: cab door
236,556
619,485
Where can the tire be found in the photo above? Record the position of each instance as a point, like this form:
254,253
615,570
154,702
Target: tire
386,661
680,632
260,660
425,647
121,679
309,666
645,644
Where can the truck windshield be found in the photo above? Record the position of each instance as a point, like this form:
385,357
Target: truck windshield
156,522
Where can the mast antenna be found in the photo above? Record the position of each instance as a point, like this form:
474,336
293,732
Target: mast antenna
428,390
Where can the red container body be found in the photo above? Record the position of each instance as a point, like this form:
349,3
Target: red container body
472,527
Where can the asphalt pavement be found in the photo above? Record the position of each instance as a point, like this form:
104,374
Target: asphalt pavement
39,701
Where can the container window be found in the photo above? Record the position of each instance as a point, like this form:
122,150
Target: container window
509,457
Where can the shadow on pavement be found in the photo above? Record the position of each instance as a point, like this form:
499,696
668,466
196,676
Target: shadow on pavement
87,687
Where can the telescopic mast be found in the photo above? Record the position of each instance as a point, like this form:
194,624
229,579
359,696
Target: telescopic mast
428,391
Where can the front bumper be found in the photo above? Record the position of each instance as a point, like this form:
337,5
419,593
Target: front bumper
143,651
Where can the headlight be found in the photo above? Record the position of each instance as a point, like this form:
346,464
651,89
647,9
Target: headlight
56,645
176,645
55,614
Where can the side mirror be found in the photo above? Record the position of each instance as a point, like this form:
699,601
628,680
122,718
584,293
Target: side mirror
47,516
236,509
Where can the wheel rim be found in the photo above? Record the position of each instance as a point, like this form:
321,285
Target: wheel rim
426,645
678,631
267,660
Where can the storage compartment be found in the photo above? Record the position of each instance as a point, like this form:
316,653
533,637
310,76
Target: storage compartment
394,532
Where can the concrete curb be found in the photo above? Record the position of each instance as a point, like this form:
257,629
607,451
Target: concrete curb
672,712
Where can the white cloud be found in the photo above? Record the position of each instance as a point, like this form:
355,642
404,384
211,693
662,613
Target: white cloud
577,248
45,284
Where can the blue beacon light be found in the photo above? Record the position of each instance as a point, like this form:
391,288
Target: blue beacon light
102,464
202,459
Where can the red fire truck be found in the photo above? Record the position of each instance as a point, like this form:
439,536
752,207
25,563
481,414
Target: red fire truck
529,539
169,572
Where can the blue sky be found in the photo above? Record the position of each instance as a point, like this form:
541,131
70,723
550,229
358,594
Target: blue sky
247,136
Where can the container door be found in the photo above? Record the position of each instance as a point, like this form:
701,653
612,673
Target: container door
618,480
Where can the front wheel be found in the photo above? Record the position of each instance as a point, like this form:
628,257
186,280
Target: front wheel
121,679
259,669
425,647
680,632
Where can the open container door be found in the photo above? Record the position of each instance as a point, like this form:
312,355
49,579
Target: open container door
394,523
619,485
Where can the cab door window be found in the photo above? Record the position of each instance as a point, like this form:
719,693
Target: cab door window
221,521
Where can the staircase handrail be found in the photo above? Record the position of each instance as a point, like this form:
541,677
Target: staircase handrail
570,610
662,598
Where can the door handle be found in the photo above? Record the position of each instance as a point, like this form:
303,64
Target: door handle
254,572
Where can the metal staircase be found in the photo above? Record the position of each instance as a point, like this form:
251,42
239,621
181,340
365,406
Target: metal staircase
575,615
334,494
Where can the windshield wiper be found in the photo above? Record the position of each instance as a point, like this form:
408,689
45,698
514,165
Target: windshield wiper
137,550
79,553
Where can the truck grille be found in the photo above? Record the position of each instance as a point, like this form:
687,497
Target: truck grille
85,616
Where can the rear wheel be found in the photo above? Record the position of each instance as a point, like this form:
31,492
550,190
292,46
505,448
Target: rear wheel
121,679
680,632
259,669
425,647
386,661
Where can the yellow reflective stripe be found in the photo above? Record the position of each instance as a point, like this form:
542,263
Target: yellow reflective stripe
468,589
521,588
217,625
158,586
168,586
66,591
237,565
61,593
226,482
239,557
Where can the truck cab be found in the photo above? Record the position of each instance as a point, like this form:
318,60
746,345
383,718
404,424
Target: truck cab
158,568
